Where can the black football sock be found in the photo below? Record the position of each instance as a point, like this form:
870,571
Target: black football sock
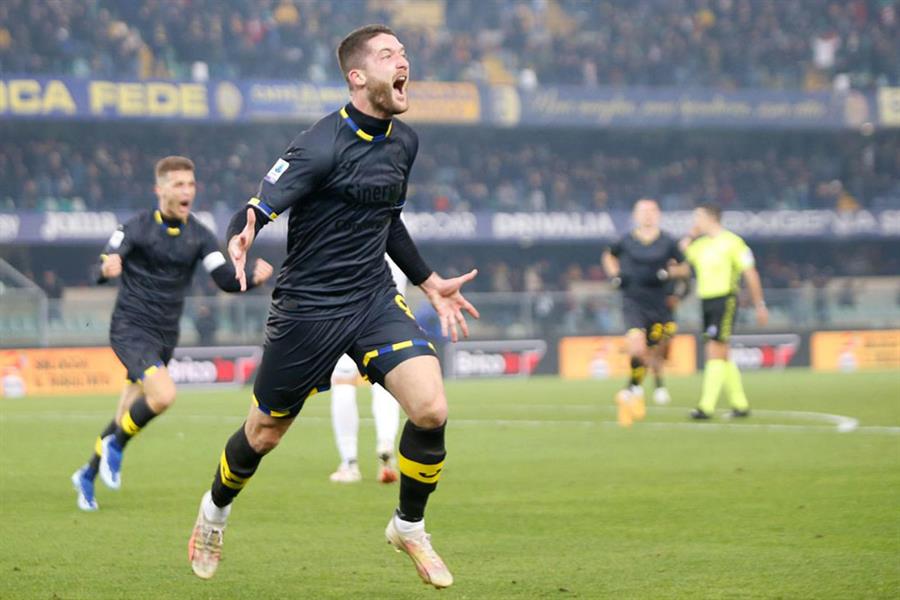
421,460
237,465
94,462
659,382
638,370
134,420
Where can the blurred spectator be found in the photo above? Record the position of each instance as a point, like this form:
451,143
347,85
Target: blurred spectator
206,323
77,167
719,43
54,288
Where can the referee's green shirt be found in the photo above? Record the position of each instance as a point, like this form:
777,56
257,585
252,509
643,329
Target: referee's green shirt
718,263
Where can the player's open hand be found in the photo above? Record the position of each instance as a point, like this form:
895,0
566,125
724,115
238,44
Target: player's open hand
239,245
261,271
112,266
449,302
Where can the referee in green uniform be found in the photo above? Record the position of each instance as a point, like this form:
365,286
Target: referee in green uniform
719,259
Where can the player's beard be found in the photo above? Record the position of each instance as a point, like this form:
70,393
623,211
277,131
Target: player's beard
381,97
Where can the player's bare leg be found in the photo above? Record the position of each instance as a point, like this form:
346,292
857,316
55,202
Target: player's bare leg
259,434
630,399
416,384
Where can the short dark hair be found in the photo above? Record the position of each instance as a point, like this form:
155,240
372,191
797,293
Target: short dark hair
173,163
352,49
713,210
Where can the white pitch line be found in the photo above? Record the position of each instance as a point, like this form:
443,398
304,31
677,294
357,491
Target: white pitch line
702,426
842,423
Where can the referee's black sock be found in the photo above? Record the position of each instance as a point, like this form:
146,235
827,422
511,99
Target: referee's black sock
236,466
134,420
421,460
638,370
94,462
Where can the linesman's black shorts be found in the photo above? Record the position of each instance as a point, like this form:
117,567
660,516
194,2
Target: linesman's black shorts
142,350
656,321
718,317
299,355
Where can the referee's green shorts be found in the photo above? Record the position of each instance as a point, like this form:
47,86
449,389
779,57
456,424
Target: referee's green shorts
718,317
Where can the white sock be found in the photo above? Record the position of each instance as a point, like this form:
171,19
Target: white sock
386,411
408,527
345,420
212,512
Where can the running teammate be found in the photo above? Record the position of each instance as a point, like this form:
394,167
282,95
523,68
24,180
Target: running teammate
345,181
345,415
720,258
155,253
641,264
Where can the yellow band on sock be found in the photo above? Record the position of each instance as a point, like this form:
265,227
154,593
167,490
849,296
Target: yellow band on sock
638,374
98,446
419,471
129,426
228,478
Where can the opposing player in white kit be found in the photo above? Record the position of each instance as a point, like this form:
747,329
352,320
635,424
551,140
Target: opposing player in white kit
345,415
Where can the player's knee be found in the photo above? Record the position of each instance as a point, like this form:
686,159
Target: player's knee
161,399
432,412
263,438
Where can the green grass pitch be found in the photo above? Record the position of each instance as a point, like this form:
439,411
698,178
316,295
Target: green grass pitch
543,497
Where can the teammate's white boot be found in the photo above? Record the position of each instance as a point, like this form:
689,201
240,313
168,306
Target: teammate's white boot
412,539
661,396
205,545
347,473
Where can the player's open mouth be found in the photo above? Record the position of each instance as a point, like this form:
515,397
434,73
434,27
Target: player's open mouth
400,85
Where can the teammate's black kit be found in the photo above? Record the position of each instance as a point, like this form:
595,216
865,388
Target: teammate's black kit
644,279
345,181
158,261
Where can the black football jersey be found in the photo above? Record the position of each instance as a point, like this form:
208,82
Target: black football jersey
158,262
641,262
344,179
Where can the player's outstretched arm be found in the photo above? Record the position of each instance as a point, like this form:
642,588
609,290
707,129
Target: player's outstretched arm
225,278
242,231
448,302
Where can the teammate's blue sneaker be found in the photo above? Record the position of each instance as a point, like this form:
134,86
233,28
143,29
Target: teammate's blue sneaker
84,485
111,463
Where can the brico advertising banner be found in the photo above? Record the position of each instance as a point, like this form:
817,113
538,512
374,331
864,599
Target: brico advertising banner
856,350
607,356
512,358
73,371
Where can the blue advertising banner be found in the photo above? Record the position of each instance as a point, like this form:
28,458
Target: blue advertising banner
96,227
674,108
216,101
26,97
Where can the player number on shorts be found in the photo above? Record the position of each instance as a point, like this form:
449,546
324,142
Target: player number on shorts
401,302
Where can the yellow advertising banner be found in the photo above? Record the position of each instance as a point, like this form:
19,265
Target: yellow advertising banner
855,350
607,356
438,102
61,371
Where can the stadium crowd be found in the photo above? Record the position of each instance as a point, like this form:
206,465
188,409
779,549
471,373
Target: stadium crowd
74,167
721,43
